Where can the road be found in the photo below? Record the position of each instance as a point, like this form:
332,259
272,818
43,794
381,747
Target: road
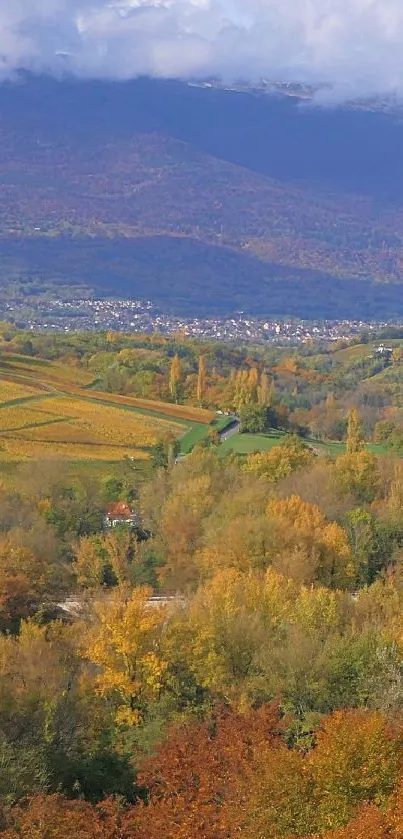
230,430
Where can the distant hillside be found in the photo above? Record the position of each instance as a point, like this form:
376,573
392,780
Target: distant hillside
203,200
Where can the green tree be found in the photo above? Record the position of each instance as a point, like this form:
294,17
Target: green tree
166,451
253,418
357,473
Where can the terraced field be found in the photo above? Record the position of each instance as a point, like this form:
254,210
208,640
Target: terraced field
12,391
46,410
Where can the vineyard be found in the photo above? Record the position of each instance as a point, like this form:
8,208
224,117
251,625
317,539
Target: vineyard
46,410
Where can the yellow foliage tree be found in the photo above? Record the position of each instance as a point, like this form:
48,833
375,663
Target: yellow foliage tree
357,758
265,391
303,526
318,610
241,389
175,377
125,647
182,526
201,380
357,473
355,440
118,545
281,460
227,627
253,385
89,563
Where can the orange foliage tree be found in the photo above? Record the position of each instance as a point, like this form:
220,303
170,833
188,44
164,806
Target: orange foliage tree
195,778
233,775
54,817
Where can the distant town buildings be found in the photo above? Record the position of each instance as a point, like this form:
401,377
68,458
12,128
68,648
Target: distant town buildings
139,316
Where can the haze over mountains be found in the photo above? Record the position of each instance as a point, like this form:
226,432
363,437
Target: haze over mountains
203,200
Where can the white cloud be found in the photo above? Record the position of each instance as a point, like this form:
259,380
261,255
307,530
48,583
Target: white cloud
357,44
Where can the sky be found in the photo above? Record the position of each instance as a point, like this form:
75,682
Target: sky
355,45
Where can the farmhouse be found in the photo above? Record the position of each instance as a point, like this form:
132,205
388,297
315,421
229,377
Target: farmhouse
120,513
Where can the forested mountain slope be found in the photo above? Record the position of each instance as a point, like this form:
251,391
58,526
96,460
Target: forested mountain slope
252,190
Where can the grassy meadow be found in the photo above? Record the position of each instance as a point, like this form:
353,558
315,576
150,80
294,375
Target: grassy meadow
244,444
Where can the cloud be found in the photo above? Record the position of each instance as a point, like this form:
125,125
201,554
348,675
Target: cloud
356,45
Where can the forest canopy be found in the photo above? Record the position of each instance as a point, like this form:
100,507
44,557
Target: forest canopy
209,645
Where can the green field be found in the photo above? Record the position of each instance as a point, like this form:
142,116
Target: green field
247,443
198,432
244,444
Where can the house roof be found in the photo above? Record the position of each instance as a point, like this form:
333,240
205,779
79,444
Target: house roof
119,509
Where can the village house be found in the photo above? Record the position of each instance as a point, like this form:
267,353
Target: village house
120,513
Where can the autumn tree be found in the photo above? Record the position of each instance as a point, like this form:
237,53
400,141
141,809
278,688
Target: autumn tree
27,581
194,778
201,380
369,823
241,389
354,440
175,378
183,502
38,712
166,450
357,473
105,560
230,623
120,550
395,500
253,385
55,817
265,391
361,530
357,759
253,418
89,564
275,795
124,646
288,456
303,527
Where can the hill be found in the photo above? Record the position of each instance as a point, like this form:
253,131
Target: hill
154,188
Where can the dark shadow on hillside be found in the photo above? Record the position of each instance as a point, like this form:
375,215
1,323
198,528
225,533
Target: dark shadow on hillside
186,277
344,149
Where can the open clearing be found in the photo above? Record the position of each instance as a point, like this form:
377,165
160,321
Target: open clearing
244,444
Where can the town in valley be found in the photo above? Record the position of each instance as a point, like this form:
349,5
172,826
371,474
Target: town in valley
136,316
